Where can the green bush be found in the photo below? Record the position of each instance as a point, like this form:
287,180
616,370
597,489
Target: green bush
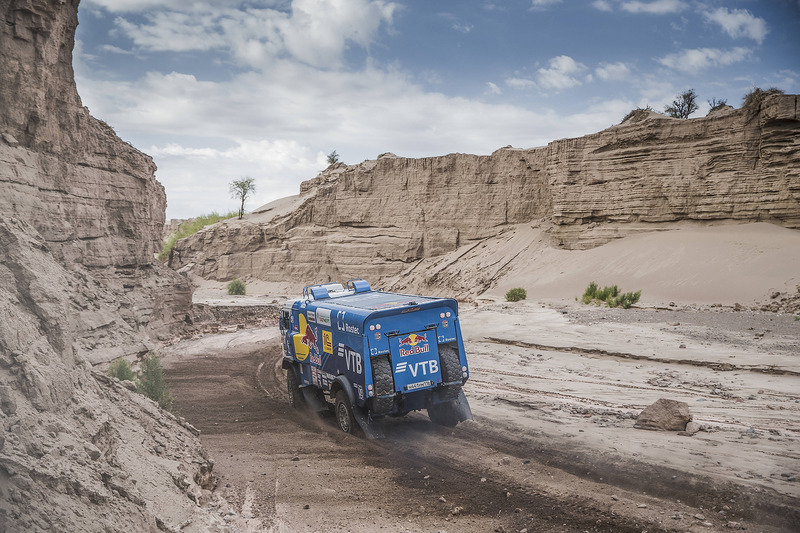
152,383
190,227
121,370
610,296
515,295
626,300
237,287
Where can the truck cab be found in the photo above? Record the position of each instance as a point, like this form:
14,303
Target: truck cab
372,354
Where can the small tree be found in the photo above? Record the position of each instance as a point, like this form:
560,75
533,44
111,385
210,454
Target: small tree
683,106
152,383
716,103
240,189
333,158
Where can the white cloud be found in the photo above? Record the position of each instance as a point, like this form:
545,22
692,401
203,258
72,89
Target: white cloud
657,7
316,32
543,4
602,5
561,74
612,71
492,88
520,83
697,59
739,23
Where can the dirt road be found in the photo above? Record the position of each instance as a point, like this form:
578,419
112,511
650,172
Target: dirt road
280,470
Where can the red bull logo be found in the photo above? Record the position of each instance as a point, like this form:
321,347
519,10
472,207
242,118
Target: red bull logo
310,338
415,343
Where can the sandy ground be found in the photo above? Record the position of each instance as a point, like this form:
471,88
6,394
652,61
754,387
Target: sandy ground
555,388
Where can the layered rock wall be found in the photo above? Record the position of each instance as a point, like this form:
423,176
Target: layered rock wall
81,215
376,218
92,197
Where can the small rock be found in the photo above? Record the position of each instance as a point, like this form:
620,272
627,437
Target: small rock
699,516
295,458
442,499
505,461
615,497
682,346
427,477
483,480
733,525
642,506
508,494
706,524
456,511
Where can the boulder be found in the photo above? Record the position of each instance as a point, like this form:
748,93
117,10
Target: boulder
664,415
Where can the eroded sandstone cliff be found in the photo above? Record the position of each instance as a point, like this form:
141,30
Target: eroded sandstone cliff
80,217
378,218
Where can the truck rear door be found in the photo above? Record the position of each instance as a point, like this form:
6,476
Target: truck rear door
415,360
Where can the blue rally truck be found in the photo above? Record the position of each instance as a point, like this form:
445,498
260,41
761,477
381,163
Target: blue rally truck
374,354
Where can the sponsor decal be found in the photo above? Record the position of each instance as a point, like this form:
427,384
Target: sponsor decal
342,325
315,359
323,317
410,310
415,345
312,316
421,368
327,342
310,338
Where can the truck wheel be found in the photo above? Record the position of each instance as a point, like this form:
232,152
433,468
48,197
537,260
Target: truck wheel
451,371
384,383
344,413
443,414
296,398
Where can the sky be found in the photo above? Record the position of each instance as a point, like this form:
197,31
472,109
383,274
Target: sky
218,90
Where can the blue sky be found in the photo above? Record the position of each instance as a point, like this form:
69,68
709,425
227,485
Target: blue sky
220,89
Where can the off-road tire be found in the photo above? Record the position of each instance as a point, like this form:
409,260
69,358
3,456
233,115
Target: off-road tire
383,379
344,413
443,414
296,398
451,371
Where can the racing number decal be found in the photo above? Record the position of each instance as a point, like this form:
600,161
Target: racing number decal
327,342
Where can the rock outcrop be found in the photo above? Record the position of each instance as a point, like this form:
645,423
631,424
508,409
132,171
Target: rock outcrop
81,215
379,218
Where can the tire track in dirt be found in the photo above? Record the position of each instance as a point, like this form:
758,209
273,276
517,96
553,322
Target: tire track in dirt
287,471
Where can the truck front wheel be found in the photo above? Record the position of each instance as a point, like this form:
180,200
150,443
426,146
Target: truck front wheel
344,413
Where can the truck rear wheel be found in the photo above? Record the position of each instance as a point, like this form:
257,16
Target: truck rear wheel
296,398
344,412
384,384
443,414
451,371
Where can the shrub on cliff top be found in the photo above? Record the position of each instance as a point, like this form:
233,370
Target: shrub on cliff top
190,227
757,95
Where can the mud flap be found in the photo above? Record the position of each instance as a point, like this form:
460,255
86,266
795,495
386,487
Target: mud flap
313,401
461,407
371,428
